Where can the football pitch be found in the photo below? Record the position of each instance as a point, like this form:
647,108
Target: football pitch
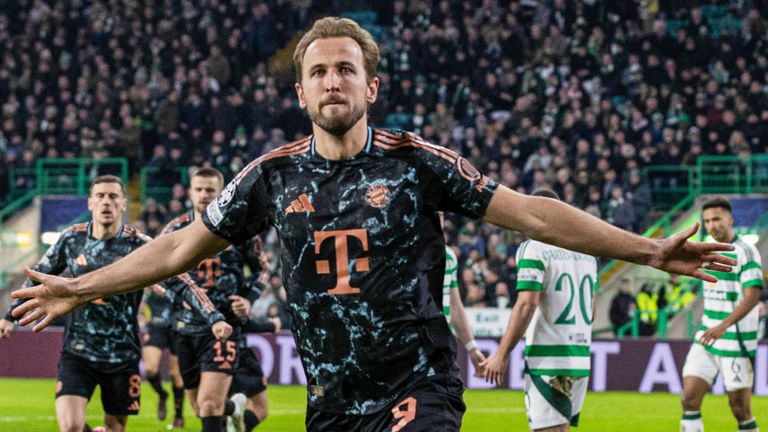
27,405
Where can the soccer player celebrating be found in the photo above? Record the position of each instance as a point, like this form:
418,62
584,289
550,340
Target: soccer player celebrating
207,364
101,339
158,336
555,292
727,340
363,255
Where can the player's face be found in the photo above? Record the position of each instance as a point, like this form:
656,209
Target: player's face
718,222
203,190
107,203
334,87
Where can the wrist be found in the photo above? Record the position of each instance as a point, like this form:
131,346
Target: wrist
471,345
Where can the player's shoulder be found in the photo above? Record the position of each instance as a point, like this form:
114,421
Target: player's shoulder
531,247
176,223
76,230
282,153
397,140
748,251
450,255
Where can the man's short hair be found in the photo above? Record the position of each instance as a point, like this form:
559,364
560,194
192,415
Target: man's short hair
716,202
108,178
332,27
209,172
546,193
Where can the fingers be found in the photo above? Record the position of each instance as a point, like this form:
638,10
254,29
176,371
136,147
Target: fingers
44,323
690,232
34,274
716,267
24,308
706,277
720,259
26,292
32,316
715,247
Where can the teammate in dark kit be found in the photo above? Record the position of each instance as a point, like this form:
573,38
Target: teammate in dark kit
206,364
101,339
159,335
363,256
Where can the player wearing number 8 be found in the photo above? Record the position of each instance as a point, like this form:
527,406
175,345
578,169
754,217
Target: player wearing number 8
555,305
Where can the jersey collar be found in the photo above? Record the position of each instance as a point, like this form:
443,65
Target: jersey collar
366,149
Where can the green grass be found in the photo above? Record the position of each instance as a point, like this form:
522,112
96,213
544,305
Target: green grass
28,405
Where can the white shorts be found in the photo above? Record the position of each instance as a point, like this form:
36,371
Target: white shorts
547,410
738,372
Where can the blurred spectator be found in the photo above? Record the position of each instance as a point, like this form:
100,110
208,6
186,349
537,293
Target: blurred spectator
647,305
622,306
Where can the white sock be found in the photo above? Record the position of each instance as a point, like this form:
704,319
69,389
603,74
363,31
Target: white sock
691,422
748,426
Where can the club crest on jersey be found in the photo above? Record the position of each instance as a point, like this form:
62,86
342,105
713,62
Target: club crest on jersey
225,197
377,196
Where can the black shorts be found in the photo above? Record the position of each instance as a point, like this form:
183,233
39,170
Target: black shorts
431,404
249,378
120,384
160,337
203,353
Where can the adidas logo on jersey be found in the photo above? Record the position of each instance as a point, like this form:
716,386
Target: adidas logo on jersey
300,204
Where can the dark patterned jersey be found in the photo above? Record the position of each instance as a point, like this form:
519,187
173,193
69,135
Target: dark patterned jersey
105,330
219,276
160,307
362,256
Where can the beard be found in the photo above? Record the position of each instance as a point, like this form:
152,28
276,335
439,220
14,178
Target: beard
337,125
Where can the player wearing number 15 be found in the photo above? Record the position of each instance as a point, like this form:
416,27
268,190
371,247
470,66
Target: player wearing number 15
555,305
101,339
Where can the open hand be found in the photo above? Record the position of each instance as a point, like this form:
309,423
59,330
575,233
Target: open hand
711,335
495,368
676,254
54,297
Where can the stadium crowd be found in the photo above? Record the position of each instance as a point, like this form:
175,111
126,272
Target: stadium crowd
580,96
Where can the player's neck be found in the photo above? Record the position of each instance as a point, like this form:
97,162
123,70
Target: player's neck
334,147
198,214
103,231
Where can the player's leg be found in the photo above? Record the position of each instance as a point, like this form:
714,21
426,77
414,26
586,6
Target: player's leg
115,423
741,407
548,409
212,398
70,413
738,378
151,354
120,396
249,389
699,373
178,393
188,355
75,384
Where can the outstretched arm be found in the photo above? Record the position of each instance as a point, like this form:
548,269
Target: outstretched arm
551,221
495,367
156,261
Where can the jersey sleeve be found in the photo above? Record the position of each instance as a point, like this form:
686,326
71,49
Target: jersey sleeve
451,269
241,209
530,268
451,182
751,274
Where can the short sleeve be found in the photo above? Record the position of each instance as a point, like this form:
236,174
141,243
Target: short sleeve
530,268
751,274
241,209
452,181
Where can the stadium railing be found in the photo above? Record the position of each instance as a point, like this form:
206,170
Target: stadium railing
152,185
58,176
